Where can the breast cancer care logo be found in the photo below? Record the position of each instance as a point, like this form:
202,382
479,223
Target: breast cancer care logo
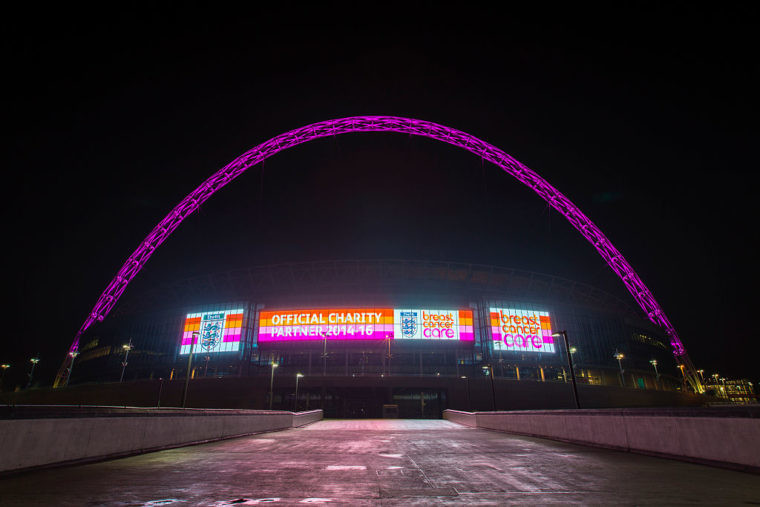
408,324
211,334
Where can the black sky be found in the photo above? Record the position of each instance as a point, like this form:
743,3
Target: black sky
645,116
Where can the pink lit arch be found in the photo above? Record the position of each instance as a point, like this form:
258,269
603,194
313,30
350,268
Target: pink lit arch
551,195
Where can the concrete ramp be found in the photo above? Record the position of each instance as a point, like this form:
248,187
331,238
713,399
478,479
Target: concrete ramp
383,462
383,425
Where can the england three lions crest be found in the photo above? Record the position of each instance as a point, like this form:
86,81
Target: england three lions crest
408,324
211,334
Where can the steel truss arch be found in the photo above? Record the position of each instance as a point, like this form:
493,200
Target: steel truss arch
525,175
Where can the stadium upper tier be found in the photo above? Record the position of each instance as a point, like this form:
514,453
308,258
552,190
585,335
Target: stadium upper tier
280,282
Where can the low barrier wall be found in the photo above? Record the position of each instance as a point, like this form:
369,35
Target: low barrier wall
718,436
459,417
60,436
304,418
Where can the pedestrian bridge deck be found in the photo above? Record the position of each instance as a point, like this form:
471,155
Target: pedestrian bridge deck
388,462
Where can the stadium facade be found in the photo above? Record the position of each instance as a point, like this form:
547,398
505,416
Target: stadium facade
401,323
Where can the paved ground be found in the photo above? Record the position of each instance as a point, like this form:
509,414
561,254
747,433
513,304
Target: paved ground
383,462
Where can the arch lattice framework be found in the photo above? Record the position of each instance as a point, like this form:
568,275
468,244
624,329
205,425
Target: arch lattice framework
539,185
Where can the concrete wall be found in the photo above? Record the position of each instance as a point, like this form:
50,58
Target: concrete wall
705,436
459,417
304,418
31,443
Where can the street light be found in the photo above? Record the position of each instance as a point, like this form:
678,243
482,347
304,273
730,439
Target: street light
73,355
126,348
194,337
488,370
324,354
295,404
34,362
619,356
653,362
469,401
271,385
388,338
570,352
701,374
2,376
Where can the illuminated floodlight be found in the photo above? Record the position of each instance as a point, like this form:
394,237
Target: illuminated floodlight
573,350
275,365
653,362
34,360
619,356
73,354
299,375
5,366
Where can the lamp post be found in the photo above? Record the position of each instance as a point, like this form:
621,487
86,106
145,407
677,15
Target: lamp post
493,390
271,385
295,404
73,355
126,348
388,338
195,335
619,356
34,362
469,401
324,354
570,351
4,366
701,375
160,390
653,362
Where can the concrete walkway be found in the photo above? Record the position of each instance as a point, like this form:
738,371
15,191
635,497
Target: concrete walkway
382,462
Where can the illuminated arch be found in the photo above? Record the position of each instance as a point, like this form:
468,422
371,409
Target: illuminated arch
551,195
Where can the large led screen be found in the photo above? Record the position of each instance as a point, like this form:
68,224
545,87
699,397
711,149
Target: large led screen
219,331
521,330
333,324
365,324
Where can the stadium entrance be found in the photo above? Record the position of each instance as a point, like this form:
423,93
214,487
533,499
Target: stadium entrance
382,402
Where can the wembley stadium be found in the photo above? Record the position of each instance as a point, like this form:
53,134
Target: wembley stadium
377,338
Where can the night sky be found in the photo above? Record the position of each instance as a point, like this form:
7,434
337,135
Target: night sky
644,116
